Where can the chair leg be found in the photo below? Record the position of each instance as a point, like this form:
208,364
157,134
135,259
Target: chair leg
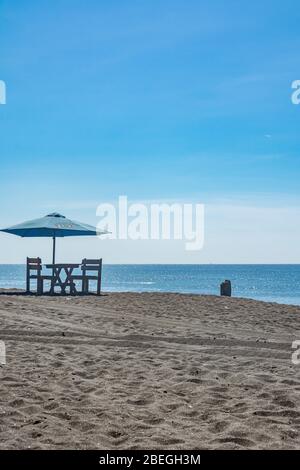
40,287
99,278
73,289
27,282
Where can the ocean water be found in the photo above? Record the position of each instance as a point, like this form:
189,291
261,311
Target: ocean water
273,283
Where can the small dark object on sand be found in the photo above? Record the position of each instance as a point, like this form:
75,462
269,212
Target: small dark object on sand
225,288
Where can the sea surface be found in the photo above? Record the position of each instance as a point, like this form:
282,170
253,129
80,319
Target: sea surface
273,283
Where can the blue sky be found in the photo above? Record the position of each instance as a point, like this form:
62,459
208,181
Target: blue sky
170,100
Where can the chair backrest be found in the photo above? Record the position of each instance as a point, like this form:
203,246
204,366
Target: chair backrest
34,264
91,265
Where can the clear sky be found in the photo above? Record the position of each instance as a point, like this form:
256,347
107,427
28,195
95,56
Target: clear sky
159,100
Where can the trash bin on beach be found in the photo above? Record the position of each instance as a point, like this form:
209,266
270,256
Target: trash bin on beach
225,288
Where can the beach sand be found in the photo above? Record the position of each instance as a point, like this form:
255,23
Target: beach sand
148,371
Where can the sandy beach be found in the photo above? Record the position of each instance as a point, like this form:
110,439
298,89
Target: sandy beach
148,371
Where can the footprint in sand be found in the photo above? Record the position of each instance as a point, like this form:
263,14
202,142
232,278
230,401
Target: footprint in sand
140,402
218,427
241,441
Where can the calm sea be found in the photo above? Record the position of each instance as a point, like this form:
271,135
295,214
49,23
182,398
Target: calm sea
275,283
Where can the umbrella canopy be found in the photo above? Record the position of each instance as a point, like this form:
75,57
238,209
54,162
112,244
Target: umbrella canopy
52,225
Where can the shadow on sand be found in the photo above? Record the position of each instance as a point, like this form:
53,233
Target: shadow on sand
19,292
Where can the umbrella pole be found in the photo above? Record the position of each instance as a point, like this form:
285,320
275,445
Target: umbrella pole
53,257
53,270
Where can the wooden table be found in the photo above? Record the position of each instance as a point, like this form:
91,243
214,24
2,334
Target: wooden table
57,281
